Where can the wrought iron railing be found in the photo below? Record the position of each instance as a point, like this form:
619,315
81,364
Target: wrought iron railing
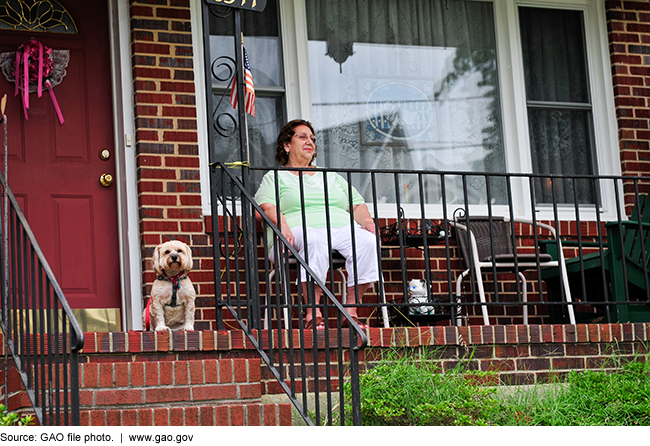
40,331
586,241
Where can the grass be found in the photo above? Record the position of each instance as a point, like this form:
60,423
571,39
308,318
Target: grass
401,391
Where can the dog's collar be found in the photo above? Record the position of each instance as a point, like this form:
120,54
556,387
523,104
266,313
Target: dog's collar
176,285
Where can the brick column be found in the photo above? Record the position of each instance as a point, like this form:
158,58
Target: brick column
628,25
166,137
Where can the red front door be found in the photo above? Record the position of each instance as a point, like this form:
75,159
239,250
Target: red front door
54,170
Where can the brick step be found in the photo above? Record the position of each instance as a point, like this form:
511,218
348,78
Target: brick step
202,392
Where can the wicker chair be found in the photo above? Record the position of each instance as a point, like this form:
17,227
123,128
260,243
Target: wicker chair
488,248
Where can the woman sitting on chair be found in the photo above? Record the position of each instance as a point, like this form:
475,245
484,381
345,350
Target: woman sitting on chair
296,147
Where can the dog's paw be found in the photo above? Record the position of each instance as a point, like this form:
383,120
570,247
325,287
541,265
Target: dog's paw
188,327
163,328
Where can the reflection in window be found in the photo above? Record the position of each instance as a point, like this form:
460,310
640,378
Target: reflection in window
407,84
33,15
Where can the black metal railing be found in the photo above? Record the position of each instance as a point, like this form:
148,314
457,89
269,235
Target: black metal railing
598,224
581,244
40,330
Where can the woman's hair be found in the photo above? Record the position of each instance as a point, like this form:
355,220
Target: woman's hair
287,132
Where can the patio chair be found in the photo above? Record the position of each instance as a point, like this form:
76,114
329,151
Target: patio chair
625,260
486,246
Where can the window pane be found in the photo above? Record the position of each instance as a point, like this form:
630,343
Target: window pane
406,84
560,143
262,43
554,55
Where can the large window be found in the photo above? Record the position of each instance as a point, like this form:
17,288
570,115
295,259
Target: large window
438,85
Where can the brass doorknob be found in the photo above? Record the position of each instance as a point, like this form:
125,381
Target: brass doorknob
106,179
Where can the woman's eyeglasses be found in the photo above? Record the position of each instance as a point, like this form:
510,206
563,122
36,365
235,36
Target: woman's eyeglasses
305,137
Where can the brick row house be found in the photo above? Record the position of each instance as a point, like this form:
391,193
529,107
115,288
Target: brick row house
128,168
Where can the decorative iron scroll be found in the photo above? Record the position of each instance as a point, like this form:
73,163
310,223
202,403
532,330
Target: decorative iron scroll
224,123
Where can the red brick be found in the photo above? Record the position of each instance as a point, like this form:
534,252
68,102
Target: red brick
225,371
176,416
180,373
114,417
191,416
118,397
106,375
250,390
173,13
98,418
241,372
166,373
270,416
222,416
196,372
161,416
145,417
130,417
151,373
167,395
207,415
171,136
121,374
285,414
236,415
90,375
136,373
219,392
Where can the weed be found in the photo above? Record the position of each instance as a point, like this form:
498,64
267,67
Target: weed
13,419
403,391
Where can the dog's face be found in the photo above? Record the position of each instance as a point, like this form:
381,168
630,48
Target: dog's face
171,258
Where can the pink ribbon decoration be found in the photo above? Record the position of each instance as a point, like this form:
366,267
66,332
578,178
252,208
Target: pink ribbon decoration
26,49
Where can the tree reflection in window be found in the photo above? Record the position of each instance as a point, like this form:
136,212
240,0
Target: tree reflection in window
36,15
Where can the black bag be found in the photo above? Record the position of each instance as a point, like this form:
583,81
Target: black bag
411,232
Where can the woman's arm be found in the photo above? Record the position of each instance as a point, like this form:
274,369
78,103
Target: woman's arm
362,216
272,212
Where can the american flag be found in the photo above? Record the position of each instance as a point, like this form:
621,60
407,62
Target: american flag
249,89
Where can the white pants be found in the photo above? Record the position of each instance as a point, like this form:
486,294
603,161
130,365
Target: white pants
319,253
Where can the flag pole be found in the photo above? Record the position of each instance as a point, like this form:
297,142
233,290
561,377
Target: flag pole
241,95
248,218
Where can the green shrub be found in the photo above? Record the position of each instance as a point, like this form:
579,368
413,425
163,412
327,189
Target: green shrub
13,419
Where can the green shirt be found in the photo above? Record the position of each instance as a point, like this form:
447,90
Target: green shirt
314,198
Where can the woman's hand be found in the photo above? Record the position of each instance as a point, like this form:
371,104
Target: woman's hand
272,212
362,216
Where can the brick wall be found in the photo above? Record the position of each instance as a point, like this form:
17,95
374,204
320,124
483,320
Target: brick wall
628,25
166,122
166,139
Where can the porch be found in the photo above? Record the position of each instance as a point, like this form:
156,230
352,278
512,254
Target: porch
261,348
